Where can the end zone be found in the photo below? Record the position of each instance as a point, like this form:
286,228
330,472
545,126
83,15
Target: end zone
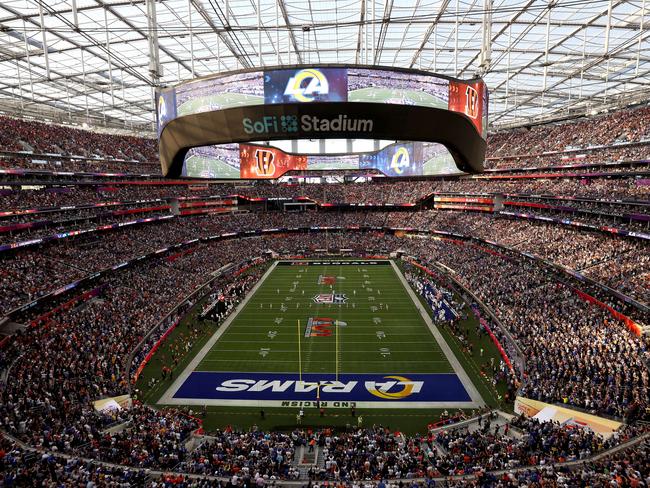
441,390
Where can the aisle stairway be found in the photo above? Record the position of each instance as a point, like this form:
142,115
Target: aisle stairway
306,460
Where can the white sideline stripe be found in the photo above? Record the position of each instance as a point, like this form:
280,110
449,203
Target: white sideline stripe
279,403
382,361
369,327
377,341
451,357
325,351
167,397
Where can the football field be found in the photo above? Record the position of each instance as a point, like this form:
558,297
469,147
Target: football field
201,167
398,96
340,333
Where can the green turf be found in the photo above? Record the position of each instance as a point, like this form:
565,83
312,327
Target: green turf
218,101
386,95
440,165
406,420
332,163
200,167
384,333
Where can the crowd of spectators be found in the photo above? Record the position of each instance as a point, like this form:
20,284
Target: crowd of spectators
574,350
620,135
577,354
103,195
622,126
36,137
493,446
628,467
623,264
26,468
266,455
620,263
53,166
617,158
46,401
562,191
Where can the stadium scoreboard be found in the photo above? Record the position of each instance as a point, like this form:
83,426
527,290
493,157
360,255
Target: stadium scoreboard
224,126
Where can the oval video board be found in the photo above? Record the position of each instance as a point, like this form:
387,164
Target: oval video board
323,102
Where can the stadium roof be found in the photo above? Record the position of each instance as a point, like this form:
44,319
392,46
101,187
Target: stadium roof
95,60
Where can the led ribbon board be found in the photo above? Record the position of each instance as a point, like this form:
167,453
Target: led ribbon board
323,102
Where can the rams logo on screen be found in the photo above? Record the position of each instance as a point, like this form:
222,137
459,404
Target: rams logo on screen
306,85
399,387
401,160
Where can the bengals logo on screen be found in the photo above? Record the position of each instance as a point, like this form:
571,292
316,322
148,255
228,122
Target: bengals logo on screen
264,162
471,102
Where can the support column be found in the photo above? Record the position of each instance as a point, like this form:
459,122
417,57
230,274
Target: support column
155,70
485,58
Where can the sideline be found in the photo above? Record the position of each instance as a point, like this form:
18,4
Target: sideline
168,397
477,400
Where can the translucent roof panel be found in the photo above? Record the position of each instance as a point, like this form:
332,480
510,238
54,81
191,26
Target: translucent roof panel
94,61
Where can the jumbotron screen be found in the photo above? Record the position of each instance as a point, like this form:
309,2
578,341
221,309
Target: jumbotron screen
309,85
251,161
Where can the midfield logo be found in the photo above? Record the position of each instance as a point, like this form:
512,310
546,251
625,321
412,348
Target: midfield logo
330,298
322,326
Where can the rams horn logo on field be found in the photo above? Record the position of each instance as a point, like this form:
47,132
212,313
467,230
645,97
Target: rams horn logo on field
400,160
264,162
471,103
382,390
314,83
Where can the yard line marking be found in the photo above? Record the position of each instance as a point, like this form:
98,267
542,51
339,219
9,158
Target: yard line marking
196,360
322,351
451,357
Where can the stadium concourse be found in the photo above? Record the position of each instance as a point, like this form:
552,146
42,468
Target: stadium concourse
99,258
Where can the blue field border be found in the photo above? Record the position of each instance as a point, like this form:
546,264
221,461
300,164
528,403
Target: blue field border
428,388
